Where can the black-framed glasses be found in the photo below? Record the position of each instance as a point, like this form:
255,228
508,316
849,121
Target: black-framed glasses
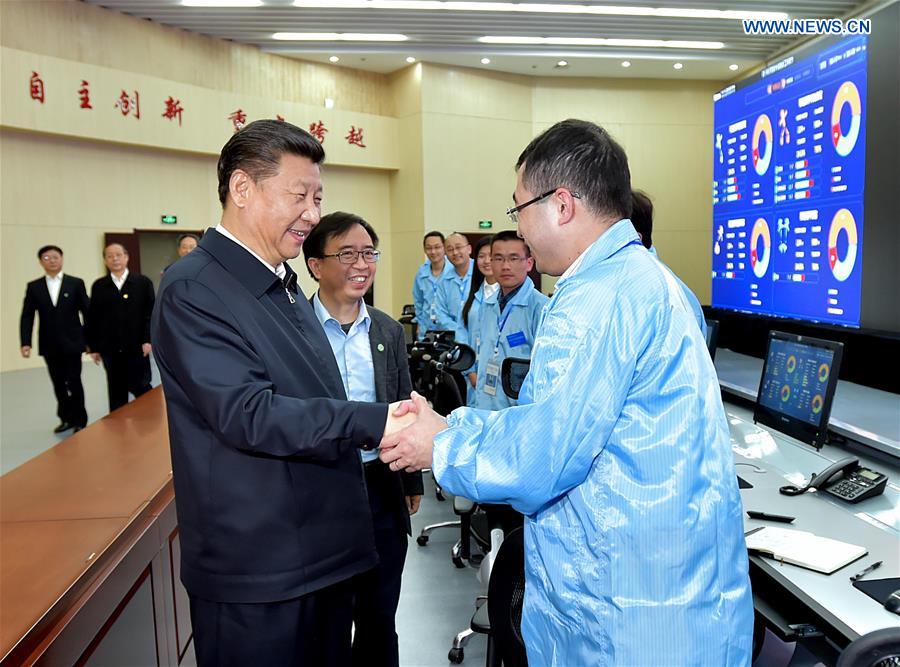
513,212
350,256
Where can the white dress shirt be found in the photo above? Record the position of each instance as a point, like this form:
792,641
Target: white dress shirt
118,282
54,284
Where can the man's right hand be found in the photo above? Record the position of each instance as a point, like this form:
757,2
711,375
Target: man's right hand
394,423
95,356
26,351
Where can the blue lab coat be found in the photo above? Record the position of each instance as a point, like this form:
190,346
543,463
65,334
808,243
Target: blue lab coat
425,296
619,456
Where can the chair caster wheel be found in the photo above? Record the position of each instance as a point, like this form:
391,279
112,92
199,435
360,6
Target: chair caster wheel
439,496
458,562
422,540
456,656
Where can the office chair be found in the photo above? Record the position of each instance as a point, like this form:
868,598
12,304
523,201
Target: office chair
506,593
712,337
410,327
880,648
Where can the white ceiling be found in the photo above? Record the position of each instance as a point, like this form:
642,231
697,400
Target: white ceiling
450,37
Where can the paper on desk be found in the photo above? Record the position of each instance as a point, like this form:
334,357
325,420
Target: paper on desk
799,547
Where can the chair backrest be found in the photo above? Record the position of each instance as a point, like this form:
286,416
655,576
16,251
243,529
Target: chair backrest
880,648
506,592
712,337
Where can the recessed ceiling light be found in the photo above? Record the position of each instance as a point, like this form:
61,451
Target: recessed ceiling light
485,61
733,67
410,59
626,63
601,41
333,59
329,103
677,65
221,3
541,8
562,63
338,37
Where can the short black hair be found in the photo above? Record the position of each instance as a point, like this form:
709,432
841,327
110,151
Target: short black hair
257,150
188,236
330,226
581,156
48,248
430,234
510,235
642,216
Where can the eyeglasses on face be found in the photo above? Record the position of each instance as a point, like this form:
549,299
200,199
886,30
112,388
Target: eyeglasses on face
351,256
512,259
513,212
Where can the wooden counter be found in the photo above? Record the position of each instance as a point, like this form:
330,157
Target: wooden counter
87,537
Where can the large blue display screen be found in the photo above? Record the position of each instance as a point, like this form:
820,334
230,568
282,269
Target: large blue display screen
788,180
796,380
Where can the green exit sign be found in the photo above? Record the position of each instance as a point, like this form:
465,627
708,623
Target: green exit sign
485,224
169,219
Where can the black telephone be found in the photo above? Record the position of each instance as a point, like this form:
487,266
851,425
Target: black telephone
844,479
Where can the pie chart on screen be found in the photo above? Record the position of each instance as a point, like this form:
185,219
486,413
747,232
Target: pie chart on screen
762,139
842,267
759,256
847,96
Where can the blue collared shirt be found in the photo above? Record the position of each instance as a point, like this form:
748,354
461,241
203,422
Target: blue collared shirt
353,355
619,455
509,332
425,296
452,292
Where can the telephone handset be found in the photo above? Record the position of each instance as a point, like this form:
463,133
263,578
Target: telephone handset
844,479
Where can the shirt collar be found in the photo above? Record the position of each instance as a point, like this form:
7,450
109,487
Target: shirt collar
277,270
324,316
118,282
54,279
243,264
619,235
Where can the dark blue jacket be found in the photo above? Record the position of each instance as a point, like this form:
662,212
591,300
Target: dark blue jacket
268,481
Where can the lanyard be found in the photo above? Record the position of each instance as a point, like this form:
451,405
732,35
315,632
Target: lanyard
500,325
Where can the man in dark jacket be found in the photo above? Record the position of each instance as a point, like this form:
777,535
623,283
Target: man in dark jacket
118,327
370,350
58,299
273,515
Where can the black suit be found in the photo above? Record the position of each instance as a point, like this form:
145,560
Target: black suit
60,340
118,325
377,592
270,494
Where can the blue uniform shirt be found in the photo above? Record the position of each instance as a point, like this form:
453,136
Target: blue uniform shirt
353,355
470,334
425,296
507,334
692,299
452,293
619,455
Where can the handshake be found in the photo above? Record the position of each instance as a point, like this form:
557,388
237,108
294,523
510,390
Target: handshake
409,434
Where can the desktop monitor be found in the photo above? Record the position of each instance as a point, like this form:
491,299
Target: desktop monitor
797,386
712,337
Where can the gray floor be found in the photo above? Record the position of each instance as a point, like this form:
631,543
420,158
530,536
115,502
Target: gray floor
437,598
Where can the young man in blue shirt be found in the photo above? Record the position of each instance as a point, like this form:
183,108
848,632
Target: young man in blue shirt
509,321
426,281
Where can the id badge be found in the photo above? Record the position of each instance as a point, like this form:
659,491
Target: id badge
492,373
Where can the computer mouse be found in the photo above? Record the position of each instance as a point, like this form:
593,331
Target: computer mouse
892,604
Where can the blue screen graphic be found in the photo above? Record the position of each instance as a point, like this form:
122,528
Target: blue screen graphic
788,181
796,380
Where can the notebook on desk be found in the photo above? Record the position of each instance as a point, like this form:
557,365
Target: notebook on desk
802,548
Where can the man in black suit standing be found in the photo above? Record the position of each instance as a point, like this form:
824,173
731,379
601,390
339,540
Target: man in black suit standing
58,299
118,327
273,515
370,349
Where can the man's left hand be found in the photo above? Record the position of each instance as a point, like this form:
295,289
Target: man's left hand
145,348
410,449
412,504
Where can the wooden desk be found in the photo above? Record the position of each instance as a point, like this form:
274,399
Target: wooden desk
84,529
